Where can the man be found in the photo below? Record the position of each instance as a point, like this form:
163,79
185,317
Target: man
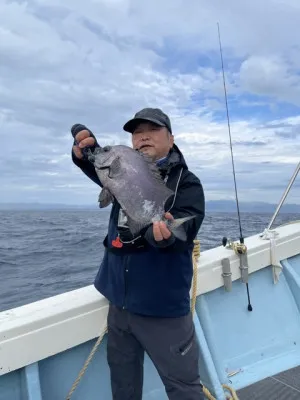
147,279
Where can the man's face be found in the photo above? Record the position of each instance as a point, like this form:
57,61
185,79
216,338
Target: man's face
153,140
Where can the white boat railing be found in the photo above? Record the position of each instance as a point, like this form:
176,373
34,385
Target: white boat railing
284,195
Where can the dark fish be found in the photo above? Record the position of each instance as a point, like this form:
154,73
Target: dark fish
135,182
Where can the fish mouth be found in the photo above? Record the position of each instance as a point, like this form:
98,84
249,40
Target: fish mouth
102,165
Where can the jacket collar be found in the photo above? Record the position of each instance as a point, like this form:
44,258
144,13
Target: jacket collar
174,158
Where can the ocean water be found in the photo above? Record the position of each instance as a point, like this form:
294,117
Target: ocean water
45,253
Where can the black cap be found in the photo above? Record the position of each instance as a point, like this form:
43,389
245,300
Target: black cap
154,115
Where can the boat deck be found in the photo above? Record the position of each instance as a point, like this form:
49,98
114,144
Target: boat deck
283,386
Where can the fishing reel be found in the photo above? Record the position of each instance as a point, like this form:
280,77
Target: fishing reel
239,248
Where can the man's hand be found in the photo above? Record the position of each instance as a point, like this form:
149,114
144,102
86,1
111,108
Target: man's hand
160,230
84,139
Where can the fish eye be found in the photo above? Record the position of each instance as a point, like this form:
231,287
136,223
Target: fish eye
107,148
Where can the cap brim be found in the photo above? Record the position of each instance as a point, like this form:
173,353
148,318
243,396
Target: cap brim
131,125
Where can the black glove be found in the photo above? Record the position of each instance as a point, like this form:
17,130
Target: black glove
76,128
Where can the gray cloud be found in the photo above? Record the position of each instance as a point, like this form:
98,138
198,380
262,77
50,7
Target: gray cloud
292,134
272,76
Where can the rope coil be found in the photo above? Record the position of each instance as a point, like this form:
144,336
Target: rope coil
209,396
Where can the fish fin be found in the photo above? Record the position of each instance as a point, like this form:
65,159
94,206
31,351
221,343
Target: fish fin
175,226
105,198
152,166
115,168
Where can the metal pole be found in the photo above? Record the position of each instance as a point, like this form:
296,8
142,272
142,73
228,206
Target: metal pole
284,195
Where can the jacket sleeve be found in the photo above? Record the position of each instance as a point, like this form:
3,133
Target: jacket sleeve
87,168
189,200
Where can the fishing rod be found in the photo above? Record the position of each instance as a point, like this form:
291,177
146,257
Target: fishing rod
240,248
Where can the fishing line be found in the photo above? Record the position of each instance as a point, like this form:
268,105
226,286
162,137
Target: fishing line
233,168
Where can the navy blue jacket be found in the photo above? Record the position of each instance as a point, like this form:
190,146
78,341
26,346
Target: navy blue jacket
153,278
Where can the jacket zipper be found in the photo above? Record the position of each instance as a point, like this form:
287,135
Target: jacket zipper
125,281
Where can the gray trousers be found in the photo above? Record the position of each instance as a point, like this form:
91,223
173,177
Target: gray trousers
170,343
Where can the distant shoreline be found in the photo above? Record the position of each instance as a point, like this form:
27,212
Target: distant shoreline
217,206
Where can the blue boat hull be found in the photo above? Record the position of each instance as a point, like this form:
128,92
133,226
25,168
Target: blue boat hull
238,347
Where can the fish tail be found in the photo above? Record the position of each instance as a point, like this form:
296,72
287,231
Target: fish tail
176,226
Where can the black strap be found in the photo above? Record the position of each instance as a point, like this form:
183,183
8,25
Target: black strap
142,246
139,246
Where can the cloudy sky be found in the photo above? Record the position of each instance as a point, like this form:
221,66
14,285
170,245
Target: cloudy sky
98,62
